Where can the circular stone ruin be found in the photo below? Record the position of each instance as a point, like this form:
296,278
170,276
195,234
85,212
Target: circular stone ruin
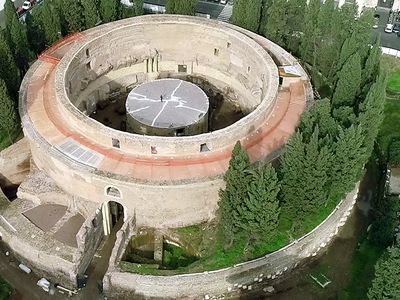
138,166
167,107
166,167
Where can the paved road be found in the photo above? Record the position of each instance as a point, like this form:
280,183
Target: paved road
389,40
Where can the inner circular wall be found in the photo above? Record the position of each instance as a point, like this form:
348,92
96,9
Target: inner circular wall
133,53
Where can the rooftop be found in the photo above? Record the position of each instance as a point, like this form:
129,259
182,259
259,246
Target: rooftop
167,103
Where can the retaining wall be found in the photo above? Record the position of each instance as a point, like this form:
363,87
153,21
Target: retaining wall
231,280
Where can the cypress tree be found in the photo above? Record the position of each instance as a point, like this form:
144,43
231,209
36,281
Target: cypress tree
260,209
319,115
9,15
371,64
348,49
50,23
372,113
109,10
305,176
8,116
349,159
237,180
73,14
35,33
276,29
170,6
8,69
295,11
90,13
310,32
253,15
17,39
187,7
239,13
325,53
386,284
344,115
348,85
138,7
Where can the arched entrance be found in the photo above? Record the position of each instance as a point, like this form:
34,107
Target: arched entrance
113,216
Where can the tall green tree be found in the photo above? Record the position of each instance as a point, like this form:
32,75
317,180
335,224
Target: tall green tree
372,63
371,112
253,15
49,22
386,284
348,85
305,176
17,39
295,11
181,7
349,160
73,14
276,27
8,115
319,115
8,69
239,12
90,13
260,209
310,32
109,10
325,54
237,181
138,7
35,33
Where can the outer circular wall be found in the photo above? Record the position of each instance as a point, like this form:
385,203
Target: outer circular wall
177,184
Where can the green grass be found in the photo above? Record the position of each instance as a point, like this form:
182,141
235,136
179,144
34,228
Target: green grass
390,124
393,84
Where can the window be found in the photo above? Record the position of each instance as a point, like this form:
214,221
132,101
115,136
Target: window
87,53
88,66
153,150
115,143
204,148
280,80
228,45
113,192
216,51
182,68
248,69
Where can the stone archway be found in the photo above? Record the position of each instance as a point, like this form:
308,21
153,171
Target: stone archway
113,216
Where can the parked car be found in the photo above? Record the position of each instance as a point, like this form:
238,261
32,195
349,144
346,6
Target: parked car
389,28
223,1
396,27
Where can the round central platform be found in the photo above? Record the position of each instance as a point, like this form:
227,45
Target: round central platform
167,104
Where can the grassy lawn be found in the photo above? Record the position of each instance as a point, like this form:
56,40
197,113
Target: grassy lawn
390,125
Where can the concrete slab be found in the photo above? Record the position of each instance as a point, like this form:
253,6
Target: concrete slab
45,216
67,232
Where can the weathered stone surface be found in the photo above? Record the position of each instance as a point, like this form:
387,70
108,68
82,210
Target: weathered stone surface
15,163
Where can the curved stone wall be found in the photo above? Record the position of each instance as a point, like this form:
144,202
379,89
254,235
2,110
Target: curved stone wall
229,282
227,59
164,181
